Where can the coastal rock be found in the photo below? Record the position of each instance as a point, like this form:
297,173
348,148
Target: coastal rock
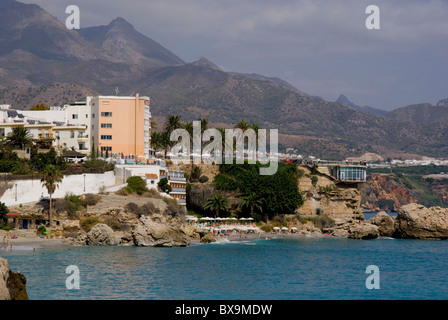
12,285
363,231
415,221
160,231
384,222
208,238
102,234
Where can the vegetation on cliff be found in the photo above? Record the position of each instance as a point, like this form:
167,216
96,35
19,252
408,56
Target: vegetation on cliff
281,188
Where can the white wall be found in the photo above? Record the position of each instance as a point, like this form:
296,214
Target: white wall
32,190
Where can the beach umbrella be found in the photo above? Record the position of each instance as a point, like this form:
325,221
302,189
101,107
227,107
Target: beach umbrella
243,219
276,228
250,218
285,228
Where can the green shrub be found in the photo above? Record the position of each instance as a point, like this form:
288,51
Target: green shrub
88,223
203,179
164,185
41,230
136,184
73,203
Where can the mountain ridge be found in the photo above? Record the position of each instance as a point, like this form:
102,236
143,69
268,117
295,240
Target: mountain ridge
118,55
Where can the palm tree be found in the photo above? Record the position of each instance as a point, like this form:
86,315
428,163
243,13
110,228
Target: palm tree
243,125
156,141
217,203
223,140
160,141
20,137
172,123
189,127
256,128
251,202
51,176
204,126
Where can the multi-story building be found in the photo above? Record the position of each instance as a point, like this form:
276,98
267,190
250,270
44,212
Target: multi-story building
50,126
121,126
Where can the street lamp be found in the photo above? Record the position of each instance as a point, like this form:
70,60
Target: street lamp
16,191
84,182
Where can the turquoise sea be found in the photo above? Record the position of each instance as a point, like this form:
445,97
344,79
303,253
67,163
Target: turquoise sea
278,269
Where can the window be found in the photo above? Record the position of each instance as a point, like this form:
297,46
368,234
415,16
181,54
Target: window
87,115
105,102
106,137
106,125
93,115
72,134
106,149
74,116
106,114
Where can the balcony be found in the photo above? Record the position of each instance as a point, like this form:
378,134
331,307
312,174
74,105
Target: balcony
182,179
83,137
179,190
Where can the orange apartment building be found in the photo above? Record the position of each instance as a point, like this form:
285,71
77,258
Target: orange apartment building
121,125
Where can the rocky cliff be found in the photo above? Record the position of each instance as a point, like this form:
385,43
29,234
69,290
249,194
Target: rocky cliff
12,285
323,196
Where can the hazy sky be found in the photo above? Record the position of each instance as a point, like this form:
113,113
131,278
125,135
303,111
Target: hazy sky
321,47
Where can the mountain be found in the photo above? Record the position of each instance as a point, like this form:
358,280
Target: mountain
41,59
421,113
315,126
122,42
344,100
28,28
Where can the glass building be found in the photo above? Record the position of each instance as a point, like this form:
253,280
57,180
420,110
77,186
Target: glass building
351,173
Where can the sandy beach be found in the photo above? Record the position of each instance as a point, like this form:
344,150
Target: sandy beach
28,241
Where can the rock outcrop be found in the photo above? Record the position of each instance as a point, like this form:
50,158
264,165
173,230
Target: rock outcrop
208,238
160,231
415,221
12,285
354,229
363,230
385,224
102,234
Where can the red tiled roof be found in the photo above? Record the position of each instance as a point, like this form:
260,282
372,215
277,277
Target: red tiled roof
13,214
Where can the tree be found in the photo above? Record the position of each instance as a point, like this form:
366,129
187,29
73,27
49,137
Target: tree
195,173
251,202
92,155
243,125
51,176
217,203
172,123
19,137
3,211
164,185
136,184
40,107
160,141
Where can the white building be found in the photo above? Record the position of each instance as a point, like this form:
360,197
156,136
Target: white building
66,127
